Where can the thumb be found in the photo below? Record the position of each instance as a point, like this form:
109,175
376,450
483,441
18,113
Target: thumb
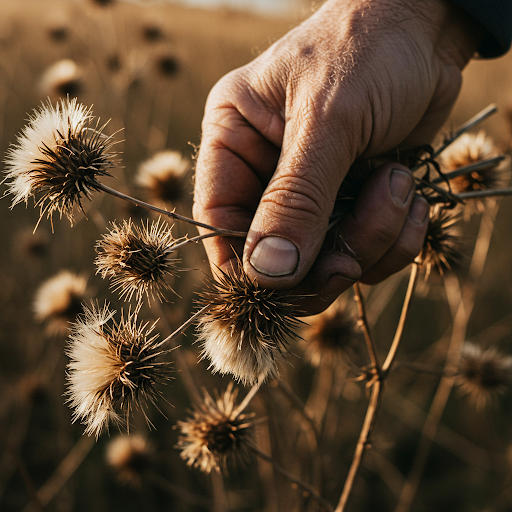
291,221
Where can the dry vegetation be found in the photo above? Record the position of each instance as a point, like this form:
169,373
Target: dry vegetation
149,70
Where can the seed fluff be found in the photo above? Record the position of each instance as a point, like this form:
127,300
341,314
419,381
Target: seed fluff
113,366
58,157
245,326
137,259
217,434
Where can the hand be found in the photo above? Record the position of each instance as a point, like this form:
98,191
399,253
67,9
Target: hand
356,80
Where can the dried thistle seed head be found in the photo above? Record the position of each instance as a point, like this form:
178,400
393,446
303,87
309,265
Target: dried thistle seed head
333,336
138,259
113,366
59,300
245,326
59,157
483,373
163,176
469,148
442,245
130,456
216,435
61,79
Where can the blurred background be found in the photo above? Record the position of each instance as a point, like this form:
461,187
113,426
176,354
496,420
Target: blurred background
148,67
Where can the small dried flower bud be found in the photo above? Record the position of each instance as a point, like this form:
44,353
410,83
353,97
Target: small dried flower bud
130,456
442,245
483,373
163,176
245,326
138,259
217,434
112,367
59,300
333,336
61,79
59,157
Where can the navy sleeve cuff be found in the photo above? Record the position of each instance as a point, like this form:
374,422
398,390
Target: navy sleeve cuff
496,17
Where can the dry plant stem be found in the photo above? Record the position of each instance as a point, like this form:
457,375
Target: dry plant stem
462,304
477,119
252,393
485,193
467,169
172,215
179,492
35,503
64,471
413,279
372,352
220,501
376,390
299,405
306,487
362,444
181,363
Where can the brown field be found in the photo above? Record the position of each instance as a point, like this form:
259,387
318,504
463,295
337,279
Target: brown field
148,68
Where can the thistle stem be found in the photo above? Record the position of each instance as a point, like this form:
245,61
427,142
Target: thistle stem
467,169
185,324
252,393
172,215
314,494
413,279
372,352
485,193
477,119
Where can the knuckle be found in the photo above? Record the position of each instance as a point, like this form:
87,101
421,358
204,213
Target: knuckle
299,199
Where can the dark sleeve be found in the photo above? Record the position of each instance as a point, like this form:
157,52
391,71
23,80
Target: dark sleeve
496,18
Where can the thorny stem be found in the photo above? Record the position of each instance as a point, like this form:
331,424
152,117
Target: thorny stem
172,215
252,393
181,363
195,239
314,494
413,279
461,310
362,444
467,169
372,352
376,391
478,118
185,325
485,193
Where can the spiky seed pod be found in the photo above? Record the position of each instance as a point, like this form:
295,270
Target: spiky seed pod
61,79
58,156
138,259
333,336
130,456
113,367
245,326
58,300
442,245
216,435
483,373
163,176
469,149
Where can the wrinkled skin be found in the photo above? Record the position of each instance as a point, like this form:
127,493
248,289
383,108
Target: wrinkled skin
357,79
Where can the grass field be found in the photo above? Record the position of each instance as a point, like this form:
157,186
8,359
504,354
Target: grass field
148,68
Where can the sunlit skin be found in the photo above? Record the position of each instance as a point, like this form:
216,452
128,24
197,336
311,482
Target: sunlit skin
356,80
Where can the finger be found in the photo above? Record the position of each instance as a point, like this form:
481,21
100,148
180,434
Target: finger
291,221
406,248
379,214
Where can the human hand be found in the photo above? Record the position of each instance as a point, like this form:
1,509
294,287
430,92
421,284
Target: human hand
356,80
